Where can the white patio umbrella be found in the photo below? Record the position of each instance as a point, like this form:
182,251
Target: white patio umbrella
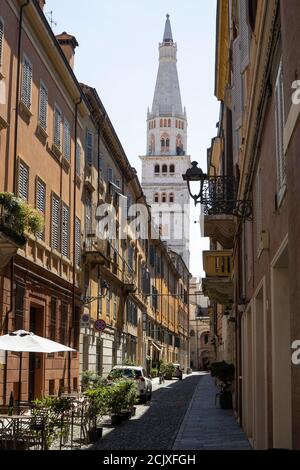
24,341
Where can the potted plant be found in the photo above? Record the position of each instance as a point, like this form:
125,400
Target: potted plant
96,407
224,372
167,370
117,401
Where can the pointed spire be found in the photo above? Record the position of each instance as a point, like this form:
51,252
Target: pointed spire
168,31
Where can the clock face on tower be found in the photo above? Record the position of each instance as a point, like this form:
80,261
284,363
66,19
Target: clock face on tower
166,158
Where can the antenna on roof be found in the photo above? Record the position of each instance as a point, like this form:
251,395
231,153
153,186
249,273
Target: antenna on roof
50,18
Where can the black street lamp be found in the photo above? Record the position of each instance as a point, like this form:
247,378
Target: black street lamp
217,194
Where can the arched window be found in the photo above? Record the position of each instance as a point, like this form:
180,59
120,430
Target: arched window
152,145
161,123
171,197
156,197
156,169
163,197
164,169
176,122
169,122
192,333
164,142
206,339
167,145
172,168
179,145
165,122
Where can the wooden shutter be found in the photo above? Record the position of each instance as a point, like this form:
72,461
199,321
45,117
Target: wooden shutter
279,113
67,140
40,202
236,98
55,223
89,147
43,106
23,181
77,242
19,307
57,127
1,40
65,231
78,159
244,33
26,83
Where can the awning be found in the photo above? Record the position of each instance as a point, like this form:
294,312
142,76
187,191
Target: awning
156,346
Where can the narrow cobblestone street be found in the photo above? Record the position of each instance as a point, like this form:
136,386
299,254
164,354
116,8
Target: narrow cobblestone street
181,416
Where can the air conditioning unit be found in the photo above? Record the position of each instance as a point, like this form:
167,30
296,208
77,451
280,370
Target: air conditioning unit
264,240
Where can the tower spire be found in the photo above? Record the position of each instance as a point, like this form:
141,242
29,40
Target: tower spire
168,31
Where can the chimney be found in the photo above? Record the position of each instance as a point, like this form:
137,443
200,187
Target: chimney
68,44
42,4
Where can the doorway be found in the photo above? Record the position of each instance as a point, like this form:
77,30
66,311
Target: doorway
281,355
35,365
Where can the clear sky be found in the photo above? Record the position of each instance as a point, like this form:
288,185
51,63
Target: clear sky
118,55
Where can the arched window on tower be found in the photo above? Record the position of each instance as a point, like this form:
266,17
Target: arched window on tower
156,169
165,122
156,197
167,145
163,197
161,122
172,168
164,169
162,145
169,122
152,145
171,197
179,145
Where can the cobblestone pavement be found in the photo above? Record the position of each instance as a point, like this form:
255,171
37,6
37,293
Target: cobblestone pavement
155,426
208,427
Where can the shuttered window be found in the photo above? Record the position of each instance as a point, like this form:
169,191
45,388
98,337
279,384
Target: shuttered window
53,320
63,323
77,242
57,127
279,114
244,33
23,181
78,159
41,202
26,83
1,39
65,232
55,223
43,106
89,147
88,215
19,315
67,140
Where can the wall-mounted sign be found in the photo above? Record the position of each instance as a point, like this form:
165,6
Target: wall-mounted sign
100,325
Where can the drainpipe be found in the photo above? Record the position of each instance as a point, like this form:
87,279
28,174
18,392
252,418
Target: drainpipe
14,186
12,266
18,95
74,244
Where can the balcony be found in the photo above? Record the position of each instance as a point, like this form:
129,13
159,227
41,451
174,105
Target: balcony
90,178
95,250
218,285
220,228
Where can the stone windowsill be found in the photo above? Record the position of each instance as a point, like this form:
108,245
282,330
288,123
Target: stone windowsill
25,110
56,151
42,132
66,164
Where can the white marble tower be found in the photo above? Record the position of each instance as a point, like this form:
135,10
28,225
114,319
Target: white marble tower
166,160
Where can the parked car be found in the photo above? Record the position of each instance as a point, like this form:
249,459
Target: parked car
137,373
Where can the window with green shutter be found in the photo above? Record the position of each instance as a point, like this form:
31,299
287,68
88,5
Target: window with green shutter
23,181
77,242
1,40
57,127
55,223
67,140
89,147
40,202
43,106
26,83
65,232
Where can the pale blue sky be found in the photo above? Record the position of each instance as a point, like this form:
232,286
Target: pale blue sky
118,55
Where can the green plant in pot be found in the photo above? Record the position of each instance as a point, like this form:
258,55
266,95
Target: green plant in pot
96,408
224,372
118,400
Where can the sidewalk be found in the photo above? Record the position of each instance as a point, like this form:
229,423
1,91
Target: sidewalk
206,426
